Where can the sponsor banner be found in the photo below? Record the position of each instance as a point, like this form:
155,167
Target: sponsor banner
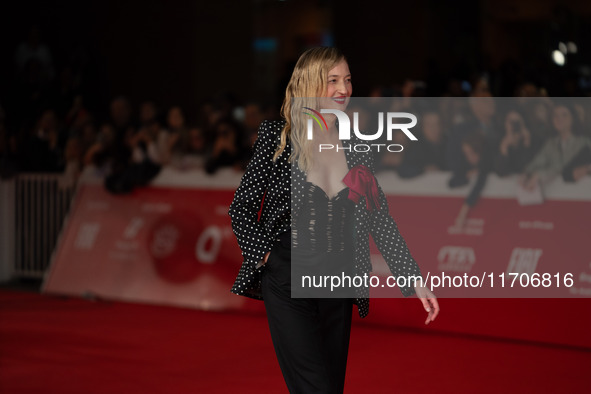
517,252
157,245
174,245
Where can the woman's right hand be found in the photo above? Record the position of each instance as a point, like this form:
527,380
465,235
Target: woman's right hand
264,260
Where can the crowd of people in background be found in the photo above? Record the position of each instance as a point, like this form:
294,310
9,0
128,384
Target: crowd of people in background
536,137
131,147
53,130
48,125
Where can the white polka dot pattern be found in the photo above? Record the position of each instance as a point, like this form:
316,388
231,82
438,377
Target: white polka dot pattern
284,186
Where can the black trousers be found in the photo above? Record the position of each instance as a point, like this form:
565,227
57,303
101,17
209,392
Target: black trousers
310,335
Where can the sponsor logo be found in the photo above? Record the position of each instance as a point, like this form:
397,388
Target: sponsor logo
536,225
473,226
524,261
456,258
86,236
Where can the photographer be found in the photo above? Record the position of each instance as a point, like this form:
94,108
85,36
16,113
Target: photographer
518,146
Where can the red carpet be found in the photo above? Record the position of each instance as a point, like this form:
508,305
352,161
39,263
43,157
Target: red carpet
61,345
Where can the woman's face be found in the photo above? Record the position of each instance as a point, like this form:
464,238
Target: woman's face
515,128
147,112
176,119
563,120
196,140
338,87
513,122
226,131
48,121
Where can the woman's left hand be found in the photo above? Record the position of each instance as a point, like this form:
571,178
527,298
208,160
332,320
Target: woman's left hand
429,302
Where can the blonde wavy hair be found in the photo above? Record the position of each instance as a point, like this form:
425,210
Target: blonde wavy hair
308,82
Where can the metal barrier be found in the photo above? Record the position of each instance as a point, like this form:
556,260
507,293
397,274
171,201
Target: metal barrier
6,229
41,202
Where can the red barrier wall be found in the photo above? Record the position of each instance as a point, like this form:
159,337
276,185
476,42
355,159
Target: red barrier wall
172,244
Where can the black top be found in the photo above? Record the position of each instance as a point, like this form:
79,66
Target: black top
322,224
322,242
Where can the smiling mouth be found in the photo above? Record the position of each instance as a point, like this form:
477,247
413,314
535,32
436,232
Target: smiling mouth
340,100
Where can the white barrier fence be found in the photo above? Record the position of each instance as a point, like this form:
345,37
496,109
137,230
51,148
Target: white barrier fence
32,208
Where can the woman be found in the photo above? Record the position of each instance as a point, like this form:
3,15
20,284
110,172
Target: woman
227,149
558,152
518,146
478,155
311,335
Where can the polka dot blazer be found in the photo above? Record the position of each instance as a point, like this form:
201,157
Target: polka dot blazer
270,183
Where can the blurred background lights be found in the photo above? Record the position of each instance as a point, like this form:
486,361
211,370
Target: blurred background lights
572,47
558,57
